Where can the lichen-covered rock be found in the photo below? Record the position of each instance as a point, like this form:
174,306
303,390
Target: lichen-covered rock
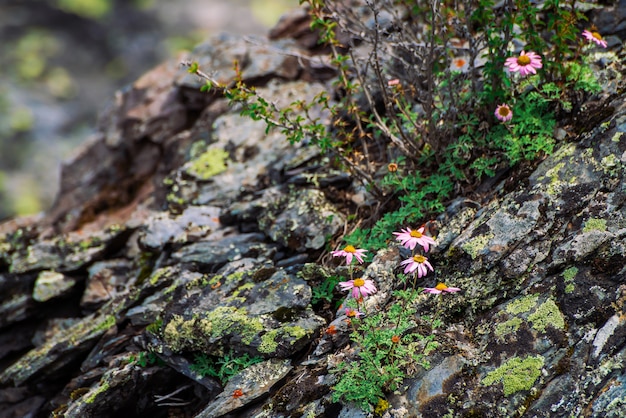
182,230
194,223
218,252
50,284
302,220
264,312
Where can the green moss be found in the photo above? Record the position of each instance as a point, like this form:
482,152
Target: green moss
548,313
516,374
595,224
208,164
508,327
108,322
92,395
157,275
523,304
477,244
569,288
90,9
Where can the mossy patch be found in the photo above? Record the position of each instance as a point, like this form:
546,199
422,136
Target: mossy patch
595,224
269,342
610,164
93,394
508,327
516,374
523,304
555,181
208,164
200,330
568,277
548,313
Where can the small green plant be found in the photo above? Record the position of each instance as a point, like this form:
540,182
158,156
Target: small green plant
324,291
146,358
388,351
222,368
388,346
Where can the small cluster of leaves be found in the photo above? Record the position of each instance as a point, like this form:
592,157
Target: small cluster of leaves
222,368
325,290
382,364
146,358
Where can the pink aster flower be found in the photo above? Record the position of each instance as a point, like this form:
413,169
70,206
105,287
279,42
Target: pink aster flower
353,313
595,37
526,63
504,113
419,263
361,288
349,251
410,238
440,288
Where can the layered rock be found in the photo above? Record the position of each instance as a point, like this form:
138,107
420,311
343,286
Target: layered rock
185,233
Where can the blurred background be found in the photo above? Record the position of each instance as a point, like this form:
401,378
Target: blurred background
62,60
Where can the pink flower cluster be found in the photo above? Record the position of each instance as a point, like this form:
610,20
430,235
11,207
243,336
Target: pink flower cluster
529,62
410,239
418,264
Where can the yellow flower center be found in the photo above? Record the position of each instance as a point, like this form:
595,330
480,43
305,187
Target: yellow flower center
503,111
523,60
350,249
416,234
441,286
359,282
419,258
596,35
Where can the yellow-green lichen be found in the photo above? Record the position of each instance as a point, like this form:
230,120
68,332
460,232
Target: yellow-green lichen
234,277
93,394
180,333
508,327
617,137
570,273
268,340
108,322
595,224
610,164
157,275
548,313
555,179
523,304
477,244
568,276
516,374
208,164
241,288
295,331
